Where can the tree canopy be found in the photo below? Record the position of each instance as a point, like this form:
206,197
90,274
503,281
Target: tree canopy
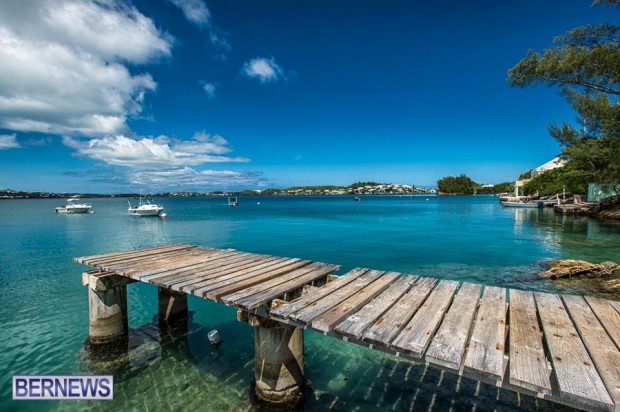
585,64
462,185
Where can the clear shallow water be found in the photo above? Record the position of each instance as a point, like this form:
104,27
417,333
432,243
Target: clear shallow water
44,312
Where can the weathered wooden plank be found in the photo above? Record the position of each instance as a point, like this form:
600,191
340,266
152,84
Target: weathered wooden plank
328,320
390,324
224,287
529,367
485,357
237,264
306,315
608,316
262,293
615,304
146,262
285,310
183,266
247,270
145,267
209,269
86,259
416,336
575,374
137,255
448,345
357,323
600,346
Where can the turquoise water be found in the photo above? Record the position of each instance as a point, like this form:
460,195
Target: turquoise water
44,311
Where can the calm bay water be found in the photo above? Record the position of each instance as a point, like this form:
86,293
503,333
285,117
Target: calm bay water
44,311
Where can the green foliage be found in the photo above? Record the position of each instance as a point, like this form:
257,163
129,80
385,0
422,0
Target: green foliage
584,62
315,188
456,185
555,181
270,192
505,187
525,175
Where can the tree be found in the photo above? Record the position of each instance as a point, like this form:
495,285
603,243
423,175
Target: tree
461,185
585,63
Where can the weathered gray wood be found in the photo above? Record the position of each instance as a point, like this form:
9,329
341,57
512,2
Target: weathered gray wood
329,319
192,265
286,309
306,315
224,287
416,336
575,374
389,325
214,270
615,304
608,316
262,293
126,267
192,286
529,367
448,345
357,323
188,282
209,270
485,356
86,260
600,346
138,255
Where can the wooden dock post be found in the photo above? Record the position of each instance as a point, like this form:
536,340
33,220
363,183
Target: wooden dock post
172,305
107,307
279,360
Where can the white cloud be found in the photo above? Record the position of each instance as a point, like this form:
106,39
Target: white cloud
265,70
209,89
187,177
159,152
8,141
63,65
195,11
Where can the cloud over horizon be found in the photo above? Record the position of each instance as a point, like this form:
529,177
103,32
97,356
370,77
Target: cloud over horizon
66,65
262,69
159,152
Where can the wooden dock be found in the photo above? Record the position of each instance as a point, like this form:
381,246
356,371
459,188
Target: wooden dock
563,348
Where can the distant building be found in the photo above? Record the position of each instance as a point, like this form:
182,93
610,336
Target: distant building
554,163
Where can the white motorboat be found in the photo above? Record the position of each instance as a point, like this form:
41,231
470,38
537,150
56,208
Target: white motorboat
532,204
74,206
232,201
144,207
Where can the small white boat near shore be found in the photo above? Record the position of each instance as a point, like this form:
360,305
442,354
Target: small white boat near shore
532,204
74,206
144,207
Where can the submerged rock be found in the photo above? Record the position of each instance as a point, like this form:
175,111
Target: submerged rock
570,267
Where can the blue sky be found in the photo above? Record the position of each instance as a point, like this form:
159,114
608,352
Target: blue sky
110,96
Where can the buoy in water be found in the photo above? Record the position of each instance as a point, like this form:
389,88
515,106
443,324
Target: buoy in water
163,215
258,203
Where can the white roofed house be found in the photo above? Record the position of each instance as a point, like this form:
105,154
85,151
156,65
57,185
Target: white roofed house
554,163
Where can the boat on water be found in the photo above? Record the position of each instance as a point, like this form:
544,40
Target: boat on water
74,206
356,199
144,207
532,204
232,201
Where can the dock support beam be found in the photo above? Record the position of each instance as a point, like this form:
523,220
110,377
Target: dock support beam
172,305
279,360
107,307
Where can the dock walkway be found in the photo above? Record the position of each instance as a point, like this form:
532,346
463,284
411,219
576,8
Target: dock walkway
563,348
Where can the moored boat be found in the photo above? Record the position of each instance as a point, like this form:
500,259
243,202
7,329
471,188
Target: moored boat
74,206
532,204
144,207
